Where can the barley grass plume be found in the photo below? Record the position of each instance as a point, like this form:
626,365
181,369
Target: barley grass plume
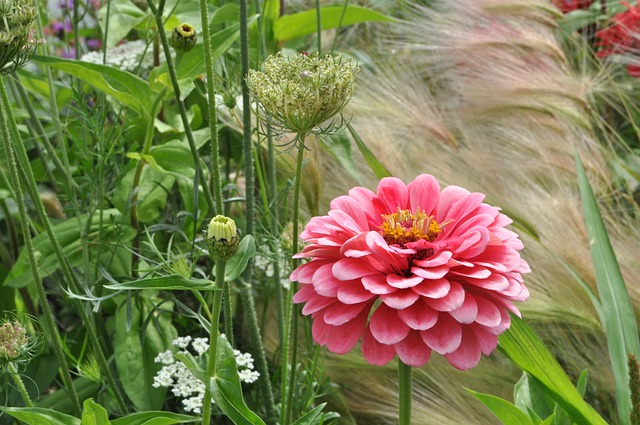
481,94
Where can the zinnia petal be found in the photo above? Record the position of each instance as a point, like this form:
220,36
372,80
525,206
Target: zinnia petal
412,350
445,336
374,351
468,353
386,326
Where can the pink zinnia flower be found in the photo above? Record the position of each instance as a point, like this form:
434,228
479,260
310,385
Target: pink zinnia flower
411,269
622,37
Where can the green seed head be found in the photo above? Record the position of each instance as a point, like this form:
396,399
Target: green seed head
16,27
16,344
298,93
184,37
222,237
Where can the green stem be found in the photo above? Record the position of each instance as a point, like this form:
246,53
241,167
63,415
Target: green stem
49,319
404,393
258,348
228,313
13,371
247,144
319,23
291,316
70,277
213,339
157,12
213,112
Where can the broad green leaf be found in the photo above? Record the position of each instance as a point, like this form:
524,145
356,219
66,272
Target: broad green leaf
226,389
529,397
152,193
60,400
378,169
507,412
94,414
618,318
68,234
40,416
236,264
521,344
305,23
125,87
172,282
136,349
154,418
225,386
124,16
311,417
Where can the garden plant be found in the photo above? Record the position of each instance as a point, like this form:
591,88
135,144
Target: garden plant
301,213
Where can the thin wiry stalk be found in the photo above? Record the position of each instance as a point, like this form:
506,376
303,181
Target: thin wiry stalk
291,312
157,12
213,111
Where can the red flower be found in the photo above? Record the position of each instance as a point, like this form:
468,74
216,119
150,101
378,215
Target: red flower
567,6
437,268
622,38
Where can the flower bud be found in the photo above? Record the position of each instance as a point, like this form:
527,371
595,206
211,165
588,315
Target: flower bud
222,237
300,92
184,37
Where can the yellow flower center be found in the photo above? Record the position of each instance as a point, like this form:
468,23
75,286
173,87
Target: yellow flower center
404,226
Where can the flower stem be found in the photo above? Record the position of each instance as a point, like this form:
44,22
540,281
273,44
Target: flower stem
213,339
291,316
404,393
157,12
13,371
49,319
213,112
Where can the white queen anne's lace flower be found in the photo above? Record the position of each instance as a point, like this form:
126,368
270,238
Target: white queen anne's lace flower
183,384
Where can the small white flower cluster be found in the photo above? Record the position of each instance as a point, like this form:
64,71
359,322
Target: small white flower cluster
183,384
126,56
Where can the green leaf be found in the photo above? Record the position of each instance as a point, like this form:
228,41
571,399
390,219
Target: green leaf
152,193
68,234
311,416
236,264
128,17
378,169
618,318
507,412
125,87
528,352
305,23
154,418
529,397
172,282
60,401
94,414
136,349
40,416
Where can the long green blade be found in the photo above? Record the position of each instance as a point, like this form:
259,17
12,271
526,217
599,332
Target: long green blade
617,317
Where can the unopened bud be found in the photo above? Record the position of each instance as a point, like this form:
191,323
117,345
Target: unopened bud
222,237
184,37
